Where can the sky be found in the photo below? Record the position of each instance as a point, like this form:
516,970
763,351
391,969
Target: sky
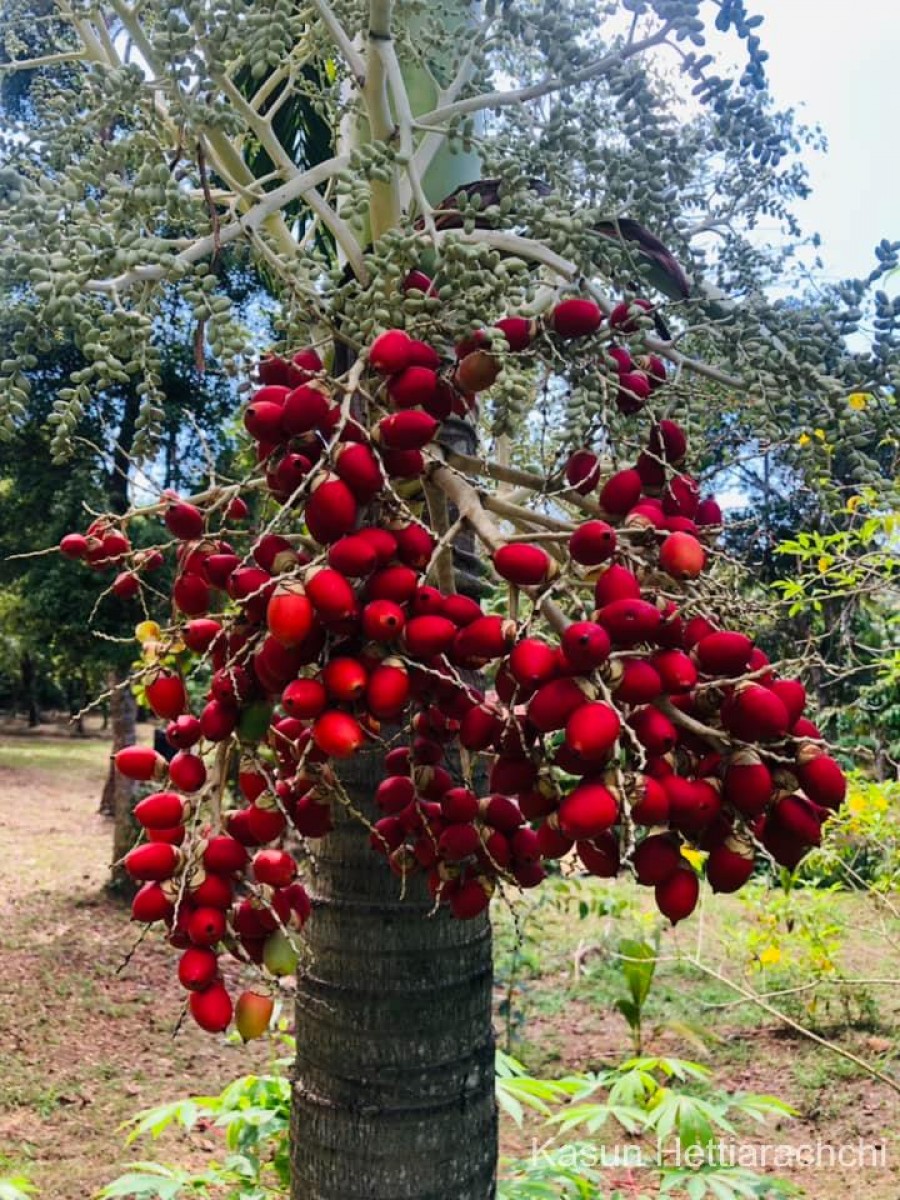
838,63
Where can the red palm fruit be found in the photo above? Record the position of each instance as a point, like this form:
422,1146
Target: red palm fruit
382,620
305,409
424,637
654,730
676,670
646,515
386,835
409,429
634,388
693,803
500,812
126,585
592,543
238,825
483,639
293,905
681,497
799,817
402,464
551,842
627,315
276,868
277,663
729,866
593,730
679,525
656,859
639,682
511,774
585,645
353,556
199,635
532,662
160,810
330,594
523,564
582,471
600,855
412,386
114,546
427,602
304,698
668,440
174,835
519,332
575,317
263,824
187,772
153,862
588,811
197,968
345,679
477,371
391,352
804,728
525,846
252,1014
677,896
183,520
418,281
616,583
723,653
755,714
232,685
331,510
74,545
698,628
747,783
630,621
398,760
191,595
553,703
274,553
211,1008
652,472
151,904
262,420
682,556
708,513
218,567
480,727
459,805
792,695
781,843
388,690
141,763
338,735
443,402
821,777
212,891
470,898
649,801
458,842
224,855
621,492
397,583
395,794
415,545
218,721
358,467
251,587
206,926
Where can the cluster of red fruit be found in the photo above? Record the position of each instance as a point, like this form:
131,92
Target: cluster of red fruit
629,733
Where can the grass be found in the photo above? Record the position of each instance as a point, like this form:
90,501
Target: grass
54,754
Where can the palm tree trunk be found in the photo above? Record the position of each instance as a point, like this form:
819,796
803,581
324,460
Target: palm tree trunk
394,1085
118,792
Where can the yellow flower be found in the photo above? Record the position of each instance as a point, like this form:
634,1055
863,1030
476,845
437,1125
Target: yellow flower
858,400
820,434
804,439
824,563
770,956
853,503
694,857
147,631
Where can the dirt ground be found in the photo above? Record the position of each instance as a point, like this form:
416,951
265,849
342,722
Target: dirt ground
85,1041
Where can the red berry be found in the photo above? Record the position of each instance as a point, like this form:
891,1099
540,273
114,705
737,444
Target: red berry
583,471
187,772
276,868
197,968
166,695
141,763
160,810
621,492
391,352
592,731
338,734
183,520
575,318
211,1008
588,811
153,861
677,896
592,543
331,510
151,904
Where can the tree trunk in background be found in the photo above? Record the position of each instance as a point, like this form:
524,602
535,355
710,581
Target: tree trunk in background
394,1085
118,792
29,689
